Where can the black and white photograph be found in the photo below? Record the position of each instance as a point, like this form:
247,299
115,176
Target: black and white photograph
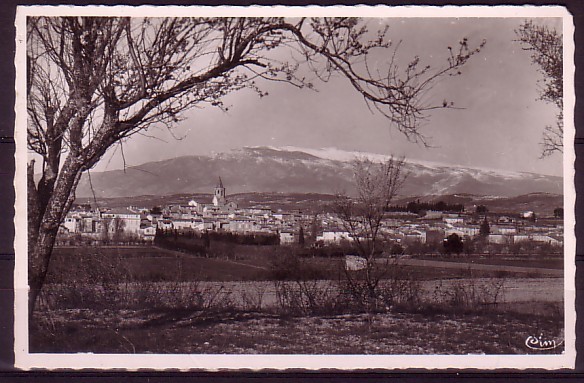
206,188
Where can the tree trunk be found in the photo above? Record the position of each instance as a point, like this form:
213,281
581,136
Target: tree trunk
39,257
43,232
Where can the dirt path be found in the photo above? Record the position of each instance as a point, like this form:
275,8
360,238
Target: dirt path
478,266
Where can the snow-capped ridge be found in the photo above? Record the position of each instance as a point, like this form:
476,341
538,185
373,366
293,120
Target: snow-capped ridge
335,154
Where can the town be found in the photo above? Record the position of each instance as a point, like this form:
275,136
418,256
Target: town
404,228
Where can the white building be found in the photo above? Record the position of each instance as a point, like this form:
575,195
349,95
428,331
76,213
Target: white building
414,236
334,236
496,229
148,232
500,238
240,224
131,219
463,231
286,238
453,220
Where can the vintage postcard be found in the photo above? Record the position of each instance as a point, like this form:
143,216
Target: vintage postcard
207,188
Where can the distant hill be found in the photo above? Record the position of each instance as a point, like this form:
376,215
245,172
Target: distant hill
294,170
543,204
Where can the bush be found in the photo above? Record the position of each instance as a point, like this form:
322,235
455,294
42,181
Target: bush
306,297
468,295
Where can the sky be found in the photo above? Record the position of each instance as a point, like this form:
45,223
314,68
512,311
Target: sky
499,124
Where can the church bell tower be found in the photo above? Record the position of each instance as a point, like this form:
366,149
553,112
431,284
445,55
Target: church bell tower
219,197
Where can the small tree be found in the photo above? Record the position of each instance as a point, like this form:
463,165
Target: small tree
453,244
105,229
301,236
118,226
315,227
546,48
361,216
559,212
485,228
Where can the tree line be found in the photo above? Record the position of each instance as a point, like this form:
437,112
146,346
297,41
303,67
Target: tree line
417,207
200,243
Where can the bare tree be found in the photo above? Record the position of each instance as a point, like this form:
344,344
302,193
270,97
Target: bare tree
112,229
118,226
546,47
105,229
93,82
362,217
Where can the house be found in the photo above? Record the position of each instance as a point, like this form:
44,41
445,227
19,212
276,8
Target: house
284,217
199,206
335,236
500,239
286,237
499,229
463,231
505,219
521,238
544,238
147,232
165,224
241,224
453,220
70,223
259,211
410,236
184,224
81,222
130,219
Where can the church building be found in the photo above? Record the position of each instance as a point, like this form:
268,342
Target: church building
219,203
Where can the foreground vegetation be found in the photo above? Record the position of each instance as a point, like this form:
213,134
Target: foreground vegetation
266,300
186,331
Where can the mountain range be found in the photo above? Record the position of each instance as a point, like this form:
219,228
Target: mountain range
300,170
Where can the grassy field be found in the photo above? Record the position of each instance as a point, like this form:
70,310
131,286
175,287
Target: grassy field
554,262
243,263
153,264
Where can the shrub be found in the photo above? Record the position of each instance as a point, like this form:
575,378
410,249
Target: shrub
306,297
467,295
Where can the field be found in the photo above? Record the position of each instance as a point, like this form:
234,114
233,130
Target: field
555,262
150,300
248,263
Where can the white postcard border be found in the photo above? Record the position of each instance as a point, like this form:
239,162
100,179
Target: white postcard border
209,362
